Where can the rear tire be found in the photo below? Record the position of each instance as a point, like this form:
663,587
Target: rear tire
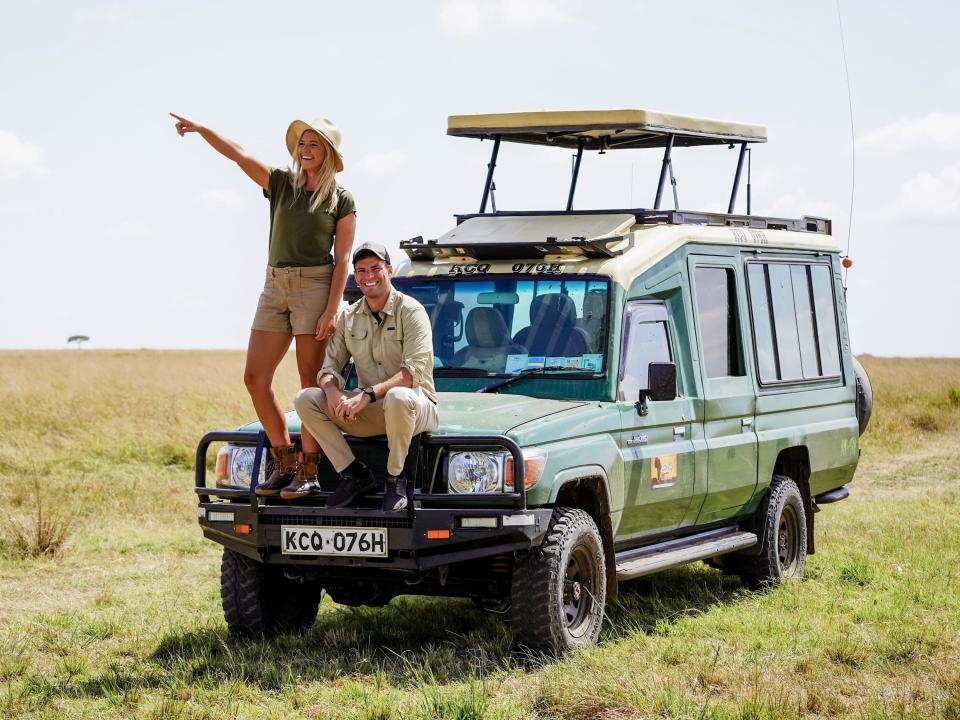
559,588
782,524
260,600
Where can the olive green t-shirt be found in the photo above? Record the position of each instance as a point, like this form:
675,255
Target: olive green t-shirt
298,237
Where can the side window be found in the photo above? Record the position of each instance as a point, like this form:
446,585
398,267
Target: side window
794,321
719,328
645,340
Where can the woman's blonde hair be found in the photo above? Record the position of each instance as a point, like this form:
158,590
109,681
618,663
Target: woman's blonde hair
326,193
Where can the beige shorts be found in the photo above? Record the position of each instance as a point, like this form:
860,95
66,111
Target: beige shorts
293,299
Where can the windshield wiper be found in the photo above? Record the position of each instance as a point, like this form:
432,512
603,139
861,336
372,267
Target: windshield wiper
527,373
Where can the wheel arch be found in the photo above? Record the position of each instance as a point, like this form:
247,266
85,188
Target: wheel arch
587,488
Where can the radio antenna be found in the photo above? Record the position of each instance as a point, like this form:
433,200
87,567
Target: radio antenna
853,141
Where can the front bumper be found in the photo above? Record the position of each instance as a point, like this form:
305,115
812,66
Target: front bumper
251,525
409,546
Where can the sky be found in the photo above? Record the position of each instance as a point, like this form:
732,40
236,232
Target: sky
114,227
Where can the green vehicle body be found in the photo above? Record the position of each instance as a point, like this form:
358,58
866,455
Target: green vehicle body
724,442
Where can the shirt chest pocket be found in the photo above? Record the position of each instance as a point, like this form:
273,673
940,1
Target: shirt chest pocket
357,333
392,331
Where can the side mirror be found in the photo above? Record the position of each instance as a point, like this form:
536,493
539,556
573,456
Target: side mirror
661,385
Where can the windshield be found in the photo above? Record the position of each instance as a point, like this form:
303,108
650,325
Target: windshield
507,325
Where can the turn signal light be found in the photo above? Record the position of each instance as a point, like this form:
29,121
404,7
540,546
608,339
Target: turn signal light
847,263
242,529
438,534
222,471
534,460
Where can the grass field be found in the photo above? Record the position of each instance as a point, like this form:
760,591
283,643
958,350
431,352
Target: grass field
125,621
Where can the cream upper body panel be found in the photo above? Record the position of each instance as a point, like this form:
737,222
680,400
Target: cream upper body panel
642,245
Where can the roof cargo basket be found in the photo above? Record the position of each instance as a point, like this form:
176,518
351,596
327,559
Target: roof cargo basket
506,236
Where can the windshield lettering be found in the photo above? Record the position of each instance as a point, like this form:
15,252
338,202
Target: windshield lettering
544,268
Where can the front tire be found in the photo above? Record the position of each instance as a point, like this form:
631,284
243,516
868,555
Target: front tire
260,600
782,523
559,589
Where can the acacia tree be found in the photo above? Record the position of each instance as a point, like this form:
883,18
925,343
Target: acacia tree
78,339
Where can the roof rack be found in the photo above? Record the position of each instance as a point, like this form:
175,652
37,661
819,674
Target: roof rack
522,235
604,130
805,223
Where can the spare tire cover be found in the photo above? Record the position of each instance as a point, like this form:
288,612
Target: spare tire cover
864,395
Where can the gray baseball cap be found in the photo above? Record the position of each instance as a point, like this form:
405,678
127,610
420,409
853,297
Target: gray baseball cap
371,248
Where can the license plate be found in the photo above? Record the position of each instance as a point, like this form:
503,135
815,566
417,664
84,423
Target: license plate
341,541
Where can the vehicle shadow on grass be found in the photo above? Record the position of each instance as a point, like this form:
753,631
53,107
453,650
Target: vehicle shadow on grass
413,641
649,605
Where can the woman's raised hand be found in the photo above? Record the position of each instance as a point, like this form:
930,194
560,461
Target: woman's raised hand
184,126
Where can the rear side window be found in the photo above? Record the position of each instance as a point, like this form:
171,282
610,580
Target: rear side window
717,313
645,340
794,317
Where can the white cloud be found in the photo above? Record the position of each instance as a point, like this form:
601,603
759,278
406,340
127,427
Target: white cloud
936,131
523,14
105,15
19,211
460,17
795,203
221,199
929,196
128,229
381,163
19,157
470,17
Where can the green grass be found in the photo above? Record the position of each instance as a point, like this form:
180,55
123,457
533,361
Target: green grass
125,620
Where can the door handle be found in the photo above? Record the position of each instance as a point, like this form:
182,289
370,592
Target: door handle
746,422
680,431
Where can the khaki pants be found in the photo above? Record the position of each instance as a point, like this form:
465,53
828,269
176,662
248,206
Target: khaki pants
403,413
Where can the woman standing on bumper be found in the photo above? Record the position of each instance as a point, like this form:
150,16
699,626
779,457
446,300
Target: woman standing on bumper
312,226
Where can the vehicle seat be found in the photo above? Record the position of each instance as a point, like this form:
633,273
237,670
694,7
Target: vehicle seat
594,317
488,341
553,330
446,319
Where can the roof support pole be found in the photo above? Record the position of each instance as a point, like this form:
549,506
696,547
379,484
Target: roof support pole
576,173
667,150
736,178
749,164
490,168
673,184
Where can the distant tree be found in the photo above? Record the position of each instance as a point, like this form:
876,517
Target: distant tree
78,339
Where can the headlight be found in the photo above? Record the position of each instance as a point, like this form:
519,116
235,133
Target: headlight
489,471
475,471
235,466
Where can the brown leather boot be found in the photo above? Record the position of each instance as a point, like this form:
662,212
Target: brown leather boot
305,481
286,461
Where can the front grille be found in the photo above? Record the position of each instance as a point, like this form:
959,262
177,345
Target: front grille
336,521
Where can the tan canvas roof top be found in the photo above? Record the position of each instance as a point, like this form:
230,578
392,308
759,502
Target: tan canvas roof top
610,129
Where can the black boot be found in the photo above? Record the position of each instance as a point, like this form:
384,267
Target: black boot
395,497
355,481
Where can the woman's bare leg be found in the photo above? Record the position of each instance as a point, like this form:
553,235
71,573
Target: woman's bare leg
264,353
309,361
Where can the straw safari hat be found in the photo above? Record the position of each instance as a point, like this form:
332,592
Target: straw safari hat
324,128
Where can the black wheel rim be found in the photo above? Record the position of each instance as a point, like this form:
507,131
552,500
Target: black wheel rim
788,541
579,589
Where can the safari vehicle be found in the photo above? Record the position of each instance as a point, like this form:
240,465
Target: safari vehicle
621,391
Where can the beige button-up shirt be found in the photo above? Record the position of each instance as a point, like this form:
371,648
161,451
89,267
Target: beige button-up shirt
379,350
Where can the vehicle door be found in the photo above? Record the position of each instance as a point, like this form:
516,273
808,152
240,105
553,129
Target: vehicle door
729,394
657,448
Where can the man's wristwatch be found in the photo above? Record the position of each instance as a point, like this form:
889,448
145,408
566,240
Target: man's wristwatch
368,391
